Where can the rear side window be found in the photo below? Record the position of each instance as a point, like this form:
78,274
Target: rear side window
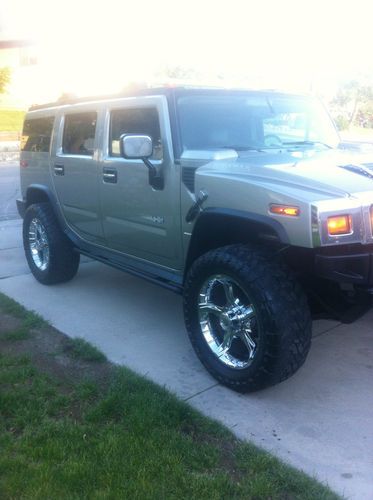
79,134
142,121
36,135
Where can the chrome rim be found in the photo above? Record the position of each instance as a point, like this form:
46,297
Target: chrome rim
39,246
228,321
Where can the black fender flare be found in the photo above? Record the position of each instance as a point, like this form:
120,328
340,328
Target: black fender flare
47,196
264,220
226,219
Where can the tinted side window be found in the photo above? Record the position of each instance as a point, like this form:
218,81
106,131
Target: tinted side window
36,135
79,134
143,121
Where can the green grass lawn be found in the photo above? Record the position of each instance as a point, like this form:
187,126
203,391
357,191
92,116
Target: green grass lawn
74,426
11,120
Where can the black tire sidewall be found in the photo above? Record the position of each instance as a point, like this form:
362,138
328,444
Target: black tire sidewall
274,335
63,261
34,212
198,341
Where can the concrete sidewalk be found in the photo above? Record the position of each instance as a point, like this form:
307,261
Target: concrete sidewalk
321,420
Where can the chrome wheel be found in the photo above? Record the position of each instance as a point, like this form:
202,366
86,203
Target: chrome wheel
39,246
228,321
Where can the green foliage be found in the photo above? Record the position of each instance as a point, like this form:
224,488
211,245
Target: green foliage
130,440
5,76
341,122
18,334
29,318
119,435
11,120
178,73
79,348
353,104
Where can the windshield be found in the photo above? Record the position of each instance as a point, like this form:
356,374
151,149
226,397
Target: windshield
245,122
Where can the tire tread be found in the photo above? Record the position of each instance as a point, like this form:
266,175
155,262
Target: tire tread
282,297
64,260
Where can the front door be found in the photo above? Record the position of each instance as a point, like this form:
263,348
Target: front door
139,220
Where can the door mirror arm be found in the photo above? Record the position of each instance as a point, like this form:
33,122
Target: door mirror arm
155,178
140,147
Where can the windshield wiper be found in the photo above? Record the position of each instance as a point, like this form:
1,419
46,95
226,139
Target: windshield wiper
307,143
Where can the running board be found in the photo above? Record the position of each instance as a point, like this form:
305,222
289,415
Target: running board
163,282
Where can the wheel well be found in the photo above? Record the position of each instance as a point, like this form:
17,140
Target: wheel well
213,230
36,195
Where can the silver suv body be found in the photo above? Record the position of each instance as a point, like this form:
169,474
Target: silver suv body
240,200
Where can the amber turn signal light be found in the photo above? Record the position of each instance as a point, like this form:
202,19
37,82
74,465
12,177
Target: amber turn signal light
284,210
340,224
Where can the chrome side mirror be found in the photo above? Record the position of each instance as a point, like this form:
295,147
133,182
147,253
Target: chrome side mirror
140,147
136,147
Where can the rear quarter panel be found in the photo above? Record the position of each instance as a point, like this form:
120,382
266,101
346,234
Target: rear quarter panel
36,165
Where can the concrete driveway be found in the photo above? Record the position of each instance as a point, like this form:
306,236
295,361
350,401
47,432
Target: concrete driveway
321,420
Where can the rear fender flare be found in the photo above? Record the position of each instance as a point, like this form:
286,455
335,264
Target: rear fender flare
38,193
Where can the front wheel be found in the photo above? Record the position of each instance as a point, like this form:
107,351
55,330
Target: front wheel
247,317
49,253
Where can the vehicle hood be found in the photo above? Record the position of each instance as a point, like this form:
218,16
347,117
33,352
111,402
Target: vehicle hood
331,173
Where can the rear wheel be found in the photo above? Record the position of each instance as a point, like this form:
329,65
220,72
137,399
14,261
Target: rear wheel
50,254
247,317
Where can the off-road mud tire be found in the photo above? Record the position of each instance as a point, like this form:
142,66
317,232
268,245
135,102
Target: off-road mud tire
63,259
282,313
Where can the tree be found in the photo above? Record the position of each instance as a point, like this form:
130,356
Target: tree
178,73
4,79
355,100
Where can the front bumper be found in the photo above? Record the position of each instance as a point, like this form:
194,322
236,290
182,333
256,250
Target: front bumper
21,207
355,268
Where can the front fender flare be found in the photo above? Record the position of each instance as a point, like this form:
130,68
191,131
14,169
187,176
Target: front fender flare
216,227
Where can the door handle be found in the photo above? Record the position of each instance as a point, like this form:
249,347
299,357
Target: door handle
59,169
110,175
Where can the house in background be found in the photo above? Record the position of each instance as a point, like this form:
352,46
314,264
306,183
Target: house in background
17,53
21,57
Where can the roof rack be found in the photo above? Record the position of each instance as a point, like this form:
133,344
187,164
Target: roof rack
134,91
67,99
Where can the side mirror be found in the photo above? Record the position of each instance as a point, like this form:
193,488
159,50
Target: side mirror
140,147
136,147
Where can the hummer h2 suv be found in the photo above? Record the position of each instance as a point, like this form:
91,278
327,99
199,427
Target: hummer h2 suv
240,201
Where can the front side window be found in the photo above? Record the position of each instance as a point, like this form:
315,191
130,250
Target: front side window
244,122
142,121
79,134
36,135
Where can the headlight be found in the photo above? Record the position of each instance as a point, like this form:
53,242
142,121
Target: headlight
342,221
339,225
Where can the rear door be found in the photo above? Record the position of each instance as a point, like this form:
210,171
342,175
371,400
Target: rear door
139,220
75,173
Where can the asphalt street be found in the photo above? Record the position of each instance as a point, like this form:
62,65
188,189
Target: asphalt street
320,420
9,190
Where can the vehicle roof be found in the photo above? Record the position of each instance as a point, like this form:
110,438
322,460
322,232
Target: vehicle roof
168,91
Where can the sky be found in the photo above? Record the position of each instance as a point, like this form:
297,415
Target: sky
98,47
